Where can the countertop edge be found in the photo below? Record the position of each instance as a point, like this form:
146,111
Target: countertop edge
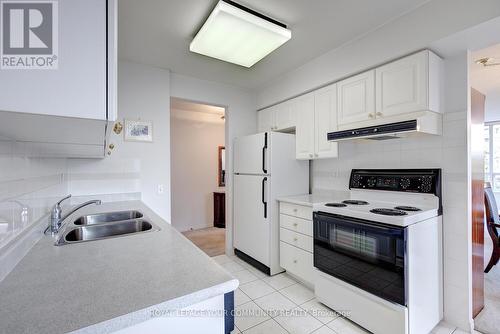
139,316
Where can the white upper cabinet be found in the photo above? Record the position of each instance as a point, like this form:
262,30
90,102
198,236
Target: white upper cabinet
79,86
356,98
265,119
280,117
408,85
304,131
325,120
284,116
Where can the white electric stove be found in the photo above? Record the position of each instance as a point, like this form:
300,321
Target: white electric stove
378,253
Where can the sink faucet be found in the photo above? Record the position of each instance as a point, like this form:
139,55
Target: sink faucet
56,219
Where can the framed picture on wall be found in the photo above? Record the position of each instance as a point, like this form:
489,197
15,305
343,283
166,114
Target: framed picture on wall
138,130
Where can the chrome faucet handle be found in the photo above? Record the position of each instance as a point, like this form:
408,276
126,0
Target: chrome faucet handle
63,199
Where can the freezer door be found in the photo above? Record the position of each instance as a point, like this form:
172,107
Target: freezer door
251,154
251,216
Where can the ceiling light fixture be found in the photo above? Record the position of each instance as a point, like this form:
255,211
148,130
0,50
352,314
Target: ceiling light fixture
486,62
239,35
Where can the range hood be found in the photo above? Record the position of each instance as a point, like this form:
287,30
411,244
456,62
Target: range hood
392,127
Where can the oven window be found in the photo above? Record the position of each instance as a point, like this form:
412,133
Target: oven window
361,253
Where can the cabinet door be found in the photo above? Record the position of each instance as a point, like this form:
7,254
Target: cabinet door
325,119
402,86
356,98
304,131
77,88
265,119
284,116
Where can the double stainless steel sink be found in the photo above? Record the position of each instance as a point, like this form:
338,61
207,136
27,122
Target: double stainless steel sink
105,225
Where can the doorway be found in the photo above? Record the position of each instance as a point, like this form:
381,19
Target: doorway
198,173
485,109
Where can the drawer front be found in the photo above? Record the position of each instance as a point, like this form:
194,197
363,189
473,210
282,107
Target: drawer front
297,262
297,224
302,241
304,212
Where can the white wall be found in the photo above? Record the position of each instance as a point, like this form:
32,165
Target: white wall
413,31
134,169
194,164
492,107
241,119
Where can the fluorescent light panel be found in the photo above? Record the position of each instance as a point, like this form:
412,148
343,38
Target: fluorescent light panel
238,36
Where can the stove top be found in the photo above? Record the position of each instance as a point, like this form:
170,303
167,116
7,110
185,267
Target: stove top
336,205
355,202
407,208
388,212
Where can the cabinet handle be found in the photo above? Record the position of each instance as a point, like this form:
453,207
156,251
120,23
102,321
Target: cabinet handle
379,113
371,115
316,155
310,155
295,224
294,261
295,239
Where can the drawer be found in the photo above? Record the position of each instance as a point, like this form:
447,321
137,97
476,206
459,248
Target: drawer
297,224
302,241
304,212
297,262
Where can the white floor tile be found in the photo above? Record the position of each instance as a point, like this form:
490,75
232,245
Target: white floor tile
279,281
245,276
343,326
240,297
459,331
256,289
324,330
443,328
275,304
249,315
221,259
232,267
268,327
298,321
298,293
319,311
256,272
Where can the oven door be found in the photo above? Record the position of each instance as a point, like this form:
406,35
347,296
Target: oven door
366,254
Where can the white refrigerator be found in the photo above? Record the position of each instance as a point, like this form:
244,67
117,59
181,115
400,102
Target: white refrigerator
265,169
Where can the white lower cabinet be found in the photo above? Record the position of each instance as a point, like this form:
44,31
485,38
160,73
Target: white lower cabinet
296,241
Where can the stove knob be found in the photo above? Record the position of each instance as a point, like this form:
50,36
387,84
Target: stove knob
404,183
372,182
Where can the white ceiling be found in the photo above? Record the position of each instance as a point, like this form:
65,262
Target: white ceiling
196,112
486,79
158,32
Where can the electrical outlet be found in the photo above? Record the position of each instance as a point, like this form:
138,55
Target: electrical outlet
161,189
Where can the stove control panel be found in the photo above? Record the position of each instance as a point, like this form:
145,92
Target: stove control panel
404,180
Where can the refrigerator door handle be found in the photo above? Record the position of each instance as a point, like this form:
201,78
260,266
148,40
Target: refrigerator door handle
264,180
264,149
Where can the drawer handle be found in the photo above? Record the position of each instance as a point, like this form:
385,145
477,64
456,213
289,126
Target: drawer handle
294,261
295,210
295,239
295,224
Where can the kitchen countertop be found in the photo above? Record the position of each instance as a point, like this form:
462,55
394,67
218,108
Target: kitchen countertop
105,285
315,198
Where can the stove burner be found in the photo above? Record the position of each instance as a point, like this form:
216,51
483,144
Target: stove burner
355,202
407,208
388,212
336,205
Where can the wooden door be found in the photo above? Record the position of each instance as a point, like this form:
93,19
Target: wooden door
477,172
